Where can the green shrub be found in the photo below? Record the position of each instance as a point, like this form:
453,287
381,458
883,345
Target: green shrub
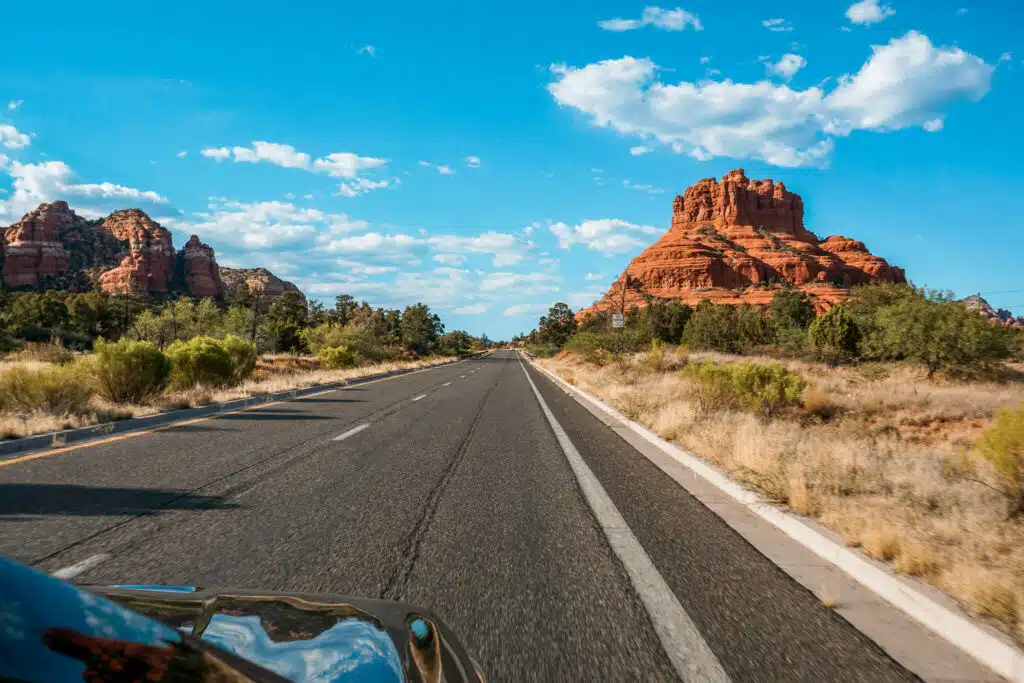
360,340
835,336
602,347
792,308
753,328
58,389
47,352
337,357
542,350
1002,445
130,371
243,357
200,360
762,389
713,328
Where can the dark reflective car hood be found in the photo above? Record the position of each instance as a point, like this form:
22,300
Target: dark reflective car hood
51,630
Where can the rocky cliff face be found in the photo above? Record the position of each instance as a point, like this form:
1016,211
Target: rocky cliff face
259,281
734,241
202,276
52,247
995,316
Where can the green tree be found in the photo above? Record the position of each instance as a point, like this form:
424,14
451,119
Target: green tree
344,305
666,319
752,328
284,320
557,326
420,328
938,333
713,327
835,336
792,308
455,343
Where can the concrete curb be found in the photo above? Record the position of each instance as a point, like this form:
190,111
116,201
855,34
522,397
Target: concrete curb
66,437
998,655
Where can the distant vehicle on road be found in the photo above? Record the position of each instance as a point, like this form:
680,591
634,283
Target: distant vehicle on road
51,630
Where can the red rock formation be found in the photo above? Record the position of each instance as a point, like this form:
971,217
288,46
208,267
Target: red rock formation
730,242
202,276
34,249
996,317
260,281
148,265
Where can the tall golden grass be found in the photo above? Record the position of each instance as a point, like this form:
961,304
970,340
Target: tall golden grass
871,454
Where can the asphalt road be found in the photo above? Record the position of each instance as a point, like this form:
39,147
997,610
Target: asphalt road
455,495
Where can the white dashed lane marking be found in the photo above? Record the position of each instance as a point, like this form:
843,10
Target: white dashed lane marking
85,565
421,396
351,432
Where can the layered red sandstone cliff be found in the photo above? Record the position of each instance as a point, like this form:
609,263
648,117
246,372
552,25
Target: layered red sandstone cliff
52,247
736,241
260,282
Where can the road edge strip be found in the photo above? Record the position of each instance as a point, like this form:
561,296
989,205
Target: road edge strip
13,450
999,656
682,641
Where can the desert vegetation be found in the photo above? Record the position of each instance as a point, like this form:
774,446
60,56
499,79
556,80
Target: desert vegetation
896,419
70,360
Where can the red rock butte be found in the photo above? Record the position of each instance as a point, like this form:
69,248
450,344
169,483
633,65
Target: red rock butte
737,241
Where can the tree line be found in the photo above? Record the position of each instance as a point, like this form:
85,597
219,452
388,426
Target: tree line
879,322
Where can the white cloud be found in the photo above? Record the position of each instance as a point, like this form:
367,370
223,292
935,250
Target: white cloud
440,168
528,230
705,60
218,153
182,154
867,12
639,150
668,20
472,309
524,283
52,180
372,242
905,83
354,188
262,225
473,162
346,164
933,125
14,104
595,276
649,189
606,235
12,138
526,309
787,66
1005,57
962,10
506,249
272,153
450,259
368,50
777,25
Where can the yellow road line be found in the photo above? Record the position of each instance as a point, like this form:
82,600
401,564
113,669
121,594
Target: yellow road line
129,435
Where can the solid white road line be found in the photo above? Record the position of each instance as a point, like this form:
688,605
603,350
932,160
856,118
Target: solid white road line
461,377
446,384
421,396
351,432
686,648
85,565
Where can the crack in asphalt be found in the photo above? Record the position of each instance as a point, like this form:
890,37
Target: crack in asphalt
232,492
394,588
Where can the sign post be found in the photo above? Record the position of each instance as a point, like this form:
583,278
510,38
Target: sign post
618,321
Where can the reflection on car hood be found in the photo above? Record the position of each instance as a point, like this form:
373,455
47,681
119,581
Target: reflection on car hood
221,635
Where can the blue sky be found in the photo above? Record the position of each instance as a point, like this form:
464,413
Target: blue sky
492,158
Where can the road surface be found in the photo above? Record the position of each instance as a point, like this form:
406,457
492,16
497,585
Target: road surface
447,488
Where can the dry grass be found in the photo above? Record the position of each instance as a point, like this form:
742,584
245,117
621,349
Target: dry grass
869,455
279,373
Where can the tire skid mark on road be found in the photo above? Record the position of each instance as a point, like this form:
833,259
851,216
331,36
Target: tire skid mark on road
395,587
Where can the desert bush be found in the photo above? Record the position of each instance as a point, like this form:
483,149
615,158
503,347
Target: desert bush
761,389
200,360
57,389
753,328
835,335
542,350
590,347
130,371
602,347
359,340
243,357
792,308
1002,445
337,357
47,352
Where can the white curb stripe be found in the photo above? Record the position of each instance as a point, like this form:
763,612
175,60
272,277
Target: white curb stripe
1003,658
85,565
690,655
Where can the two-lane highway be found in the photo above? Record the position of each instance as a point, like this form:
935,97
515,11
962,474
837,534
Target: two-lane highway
450,488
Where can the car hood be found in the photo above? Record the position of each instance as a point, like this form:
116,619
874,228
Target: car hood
51,630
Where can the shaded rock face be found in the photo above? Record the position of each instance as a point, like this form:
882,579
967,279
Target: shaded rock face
995,316
260,281
147,266
733,241
202,276
34,249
